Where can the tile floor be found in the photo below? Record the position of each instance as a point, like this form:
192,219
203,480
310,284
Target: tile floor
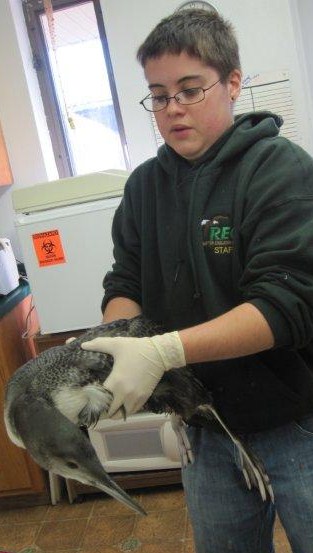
98,524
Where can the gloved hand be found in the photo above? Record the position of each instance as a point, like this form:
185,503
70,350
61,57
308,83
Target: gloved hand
139,364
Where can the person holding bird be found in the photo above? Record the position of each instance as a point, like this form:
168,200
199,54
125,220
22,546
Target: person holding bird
213,240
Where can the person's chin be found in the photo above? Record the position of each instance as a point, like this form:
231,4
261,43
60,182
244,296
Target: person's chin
190,154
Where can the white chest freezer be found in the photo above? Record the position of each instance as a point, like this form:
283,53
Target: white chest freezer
64,228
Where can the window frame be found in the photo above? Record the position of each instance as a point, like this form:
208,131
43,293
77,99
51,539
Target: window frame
60,144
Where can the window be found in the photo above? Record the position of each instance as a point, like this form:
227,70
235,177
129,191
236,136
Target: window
72,60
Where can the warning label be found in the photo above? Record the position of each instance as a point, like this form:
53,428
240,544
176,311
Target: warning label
48,248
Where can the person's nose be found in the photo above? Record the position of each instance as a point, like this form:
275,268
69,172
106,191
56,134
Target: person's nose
173,107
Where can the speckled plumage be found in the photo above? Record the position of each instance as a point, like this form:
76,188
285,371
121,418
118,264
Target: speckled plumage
49,398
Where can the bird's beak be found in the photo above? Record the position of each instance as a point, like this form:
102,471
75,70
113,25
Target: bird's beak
110,487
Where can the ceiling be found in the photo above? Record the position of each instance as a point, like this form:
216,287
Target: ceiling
71,25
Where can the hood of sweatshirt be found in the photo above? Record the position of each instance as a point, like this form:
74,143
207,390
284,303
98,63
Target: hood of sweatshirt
244,133
246,130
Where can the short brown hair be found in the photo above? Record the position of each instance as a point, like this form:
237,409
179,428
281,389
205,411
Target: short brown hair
199,33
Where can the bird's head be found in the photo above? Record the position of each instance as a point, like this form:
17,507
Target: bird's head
61,447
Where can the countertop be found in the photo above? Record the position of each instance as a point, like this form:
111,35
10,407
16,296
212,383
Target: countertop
8,302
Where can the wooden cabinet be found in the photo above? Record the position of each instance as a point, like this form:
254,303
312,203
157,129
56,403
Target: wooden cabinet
5,169
21,479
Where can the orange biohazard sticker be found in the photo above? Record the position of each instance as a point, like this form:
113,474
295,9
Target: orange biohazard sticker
48,247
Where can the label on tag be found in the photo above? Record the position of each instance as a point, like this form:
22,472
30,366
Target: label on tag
48,248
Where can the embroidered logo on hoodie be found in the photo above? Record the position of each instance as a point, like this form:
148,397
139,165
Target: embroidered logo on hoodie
217,234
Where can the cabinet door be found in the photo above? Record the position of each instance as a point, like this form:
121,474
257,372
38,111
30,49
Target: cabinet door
5,169
19,474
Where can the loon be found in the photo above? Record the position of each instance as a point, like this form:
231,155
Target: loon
51,400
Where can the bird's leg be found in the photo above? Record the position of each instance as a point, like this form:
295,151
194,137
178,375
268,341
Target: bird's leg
253,471
182,439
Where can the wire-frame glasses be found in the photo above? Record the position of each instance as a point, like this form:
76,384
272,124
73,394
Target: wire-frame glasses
156,102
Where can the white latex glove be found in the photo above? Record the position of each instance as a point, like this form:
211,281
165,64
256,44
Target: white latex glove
139,364
69,340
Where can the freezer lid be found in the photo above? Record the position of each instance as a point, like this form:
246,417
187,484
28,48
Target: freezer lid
69,191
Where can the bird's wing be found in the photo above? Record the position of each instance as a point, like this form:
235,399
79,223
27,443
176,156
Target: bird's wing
98,403
83,405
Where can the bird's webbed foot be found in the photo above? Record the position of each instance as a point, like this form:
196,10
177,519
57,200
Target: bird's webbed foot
98,402
253,470
184,446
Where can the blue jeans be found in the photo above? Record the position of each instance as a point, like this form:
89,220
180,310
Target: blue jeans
225,515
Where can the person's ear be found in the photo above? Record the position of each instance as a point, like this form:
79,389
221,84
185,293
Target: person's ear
234,84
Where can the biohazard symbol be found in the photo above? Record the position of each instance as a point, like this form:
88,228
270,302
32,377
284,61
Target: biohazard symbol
48,248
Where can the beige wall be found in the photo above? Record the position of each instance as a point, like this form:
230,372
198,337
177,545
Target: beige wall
273,35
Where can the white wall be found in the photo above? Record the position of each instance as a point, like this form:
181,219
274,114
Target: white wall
267,38
21,114
273,35
302,12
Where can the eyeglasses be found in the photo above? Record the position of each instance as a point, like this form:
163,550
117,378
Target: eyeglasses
185,97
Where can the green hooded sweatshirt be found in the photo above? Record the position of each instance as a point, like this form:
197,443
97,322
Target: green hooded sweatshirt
192,241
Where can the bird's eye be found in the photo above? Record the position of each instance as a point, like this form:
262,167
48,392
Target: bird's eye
72,465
